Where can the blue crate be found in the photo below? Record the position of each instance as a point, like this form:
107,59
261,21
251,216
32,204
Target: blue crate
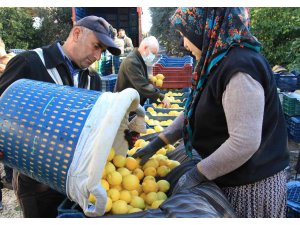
16,50
287,81
108,82
67,207
293,199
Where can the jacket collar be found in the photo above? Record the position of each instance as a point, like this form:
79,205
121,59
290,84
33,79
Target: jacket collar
53,56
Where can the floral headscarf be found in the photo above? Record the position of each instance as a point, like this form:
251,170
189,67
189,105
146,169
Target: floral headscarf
214,31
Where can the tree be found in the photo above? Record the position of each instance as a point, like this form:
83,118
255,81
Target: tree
277,30
56,24
16,28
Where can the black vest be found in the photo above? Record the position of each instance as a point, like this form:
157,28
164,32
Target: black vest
210,127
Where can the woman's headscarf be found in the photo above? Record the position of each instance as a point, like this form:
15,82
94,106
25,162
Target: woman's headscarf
214,31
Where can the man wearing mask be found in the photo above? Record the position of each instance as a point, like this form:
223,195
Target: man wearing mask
133,72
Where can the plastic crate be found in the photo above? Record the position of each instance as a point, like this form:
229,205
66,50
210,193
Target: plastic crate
177,71
291,104
67,206
16,50
108,82
287,81
293,199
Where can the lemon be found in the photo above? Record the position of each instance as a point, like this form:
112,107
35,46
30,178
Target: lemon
163,185
161,151
125,195
172,164
134,193
150,109
160,76
149,178
118,187
119,161
161,196
134,210
158,128
138,173
119,207
137,202
123,171
131,163
105,184
114,178
109,167
111,154
150,171
159,83
92,198
151,197
130,182
143,196
156,204
151,163
149,186
108,204
114,194
103,174
163,171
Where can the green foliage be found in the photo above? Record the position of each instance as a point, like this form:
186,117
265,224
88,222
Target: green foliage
56,24
161,30
278,29
16,28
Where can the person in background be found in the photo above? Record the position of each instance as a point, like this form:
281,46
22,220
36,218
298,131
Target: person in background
64,63
233,117
128,46
133,72
116,58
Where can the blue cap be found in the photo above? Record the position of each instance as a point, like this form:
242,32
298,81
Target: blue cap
103,31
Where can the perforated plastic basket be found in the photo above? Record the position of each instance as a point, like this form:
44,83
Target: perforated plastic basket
40,126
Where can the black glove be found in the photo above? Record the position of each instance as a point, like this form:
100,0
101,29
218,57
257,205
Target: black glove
146,152
190,179
131,137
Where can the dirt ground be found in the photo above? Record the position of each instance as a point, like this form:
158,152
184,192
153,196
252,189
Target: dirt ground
11,208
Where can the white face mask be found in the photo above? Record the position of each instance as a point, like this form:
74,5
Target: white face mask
149,58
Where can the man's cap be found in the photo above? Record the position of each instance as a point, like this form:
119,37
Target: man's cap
103,31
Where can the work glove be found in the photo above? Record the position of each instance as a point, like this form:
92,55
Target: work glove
131,137
146,152
188,180
166,102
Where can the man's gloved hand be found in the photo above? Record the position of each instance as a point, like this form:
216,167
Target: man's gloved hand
1,155
131,137
166,102
189,179
146,152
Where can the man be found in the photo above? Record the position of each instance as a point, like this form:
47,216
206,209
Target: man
116,58
128,46
66,64
133,72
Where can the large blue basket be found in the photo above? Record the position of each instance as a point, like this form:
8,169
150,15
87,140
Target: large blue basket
40,126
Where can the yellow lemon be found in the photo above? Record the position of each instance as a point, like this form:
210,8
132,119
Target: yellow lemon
134,210
150,109
119,207
156,204
125,195
105,184
151,197
114,178
163,185
138,142
134,193
119,161
137,202
163,171
118,187
92,198
158,128
149,186
151,163
103,174
131,163
114,194
123,171
161,151
109,167
138,173
160,76
161,196
130,182
108,204
159,83
149,178
143,196
172,164
132,151
111,154
150,171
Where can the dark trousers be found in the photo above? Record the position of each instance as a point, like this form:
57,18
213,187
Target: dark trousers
36,200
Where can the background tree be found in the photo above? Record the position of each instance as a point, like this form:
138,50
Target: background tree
16,28
277,30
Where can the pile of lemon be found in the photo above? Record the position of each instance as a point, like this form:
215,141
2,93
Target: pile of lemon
157,80
131,187
172,106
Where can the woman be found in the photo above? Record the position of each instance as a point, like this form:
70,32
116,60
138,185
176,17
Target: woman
233,117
